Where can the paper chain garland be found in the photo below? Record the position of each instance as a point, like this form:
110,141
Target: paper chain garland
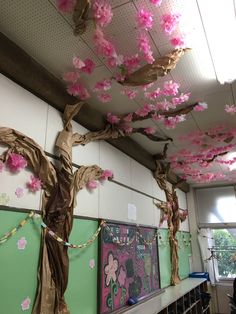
14,230
162,242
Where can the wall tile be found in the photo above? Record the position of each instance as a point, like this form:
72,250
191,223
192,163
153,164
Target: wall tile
141,178
145,210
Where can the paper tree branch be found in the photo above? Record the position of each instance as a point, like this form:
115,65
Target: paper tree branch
150,72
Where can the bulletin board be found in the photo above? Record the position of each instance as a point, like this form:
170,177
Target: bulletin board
19,267
128,265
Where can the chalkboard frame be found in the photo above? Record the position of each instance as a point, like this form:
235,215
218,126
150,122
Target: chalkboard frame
143,299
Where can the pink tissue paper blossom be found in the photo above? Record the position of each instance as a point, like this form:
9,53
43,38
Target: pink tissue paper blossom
171,88
107,174
102,45
231,109
88,67
153,95
126,128
78,63
92,263
178,42
156,2
201,106
92,185
16,162
181,99
132,63
71,77
149,130
78,89
65,5
25,304
19,192
21,243
144,19
102,12
128,118
169,22
103,85
131,94
34,185
2,166
104,97
112,118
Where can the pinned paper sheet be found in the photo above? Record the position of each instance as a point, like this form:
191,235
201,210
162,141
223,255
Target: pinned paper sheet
132,212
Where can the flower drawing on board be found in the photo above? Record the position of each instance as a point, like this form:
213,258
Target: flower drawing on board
19,192
25,304
4,199
92,263
122,276
21,243
111,269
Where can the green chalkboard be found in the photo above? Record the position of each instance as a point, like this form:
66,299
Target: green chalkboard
184,252
18,268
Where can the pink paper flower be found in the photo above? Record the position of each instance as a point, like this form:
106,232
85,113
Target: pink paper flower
148,57
102,45
149,130
34,185
92,185
128,118
171,88
88,67
102,12
19,192
112,118
21,243
181,99
65,5
156,2
126,128
231,109
200,107
25,304
131,94
92,263
104,97
78,63
119,77
132,63
122,276
78,89
143,43
178,42
2,166
103,85
16,162
71,77
153,95
144,111
169,22
144,19
107,174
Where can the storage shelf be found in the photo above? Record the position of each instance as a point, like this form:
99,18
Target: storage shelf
184,298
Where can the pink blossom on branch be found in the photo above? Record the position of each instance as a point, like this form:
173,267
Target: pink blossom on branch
71,77
170,88
104,97
65,5
231,109
169,22
131,94
103,85
107,174
112,118
131,63
102,45
144,46
181,99
156,2
201,106
78,63
126,128
102,12
16,162
34,185
178,42
153,95
150,130
88,67
144,19
78,89
128,118
92,185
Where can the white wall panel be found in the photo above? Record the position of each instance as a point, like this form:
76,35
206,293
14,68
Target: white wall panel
22,111
157,192
113,202
182,199
145,210
87,203
113,159
184,226
141,178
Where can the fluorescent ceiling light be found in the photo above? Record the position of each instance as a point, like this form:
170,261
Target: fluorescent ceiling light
219,20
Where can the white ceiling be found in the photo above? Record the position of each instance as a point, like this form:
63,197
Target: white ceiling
47,35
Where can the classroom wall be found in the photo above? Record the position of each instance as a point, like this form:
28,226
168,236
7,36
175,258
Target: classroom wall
28,114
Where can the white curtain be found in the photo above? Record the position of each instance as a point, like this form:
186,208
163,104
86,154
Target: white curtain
205,239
